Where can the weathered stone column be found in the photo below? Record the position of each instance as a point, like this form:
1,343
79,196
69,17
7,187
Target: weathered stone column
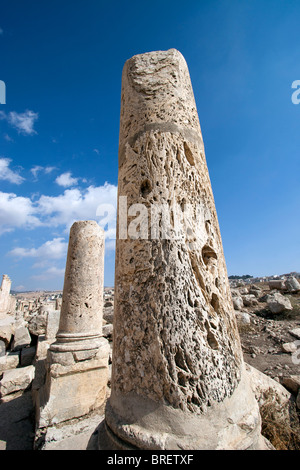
5,294
80,324
178,378
77,370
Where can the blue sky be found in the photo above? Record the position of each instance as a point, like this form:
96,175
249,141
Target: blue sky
62,62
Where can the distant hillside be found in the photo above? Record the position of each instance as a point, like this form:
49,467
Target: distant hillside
245,276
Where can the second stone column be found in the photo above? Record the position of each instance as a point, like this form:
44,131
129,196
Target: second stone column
77,369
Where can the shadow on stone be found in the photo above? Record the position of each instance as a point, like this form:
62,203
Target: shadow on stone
16,422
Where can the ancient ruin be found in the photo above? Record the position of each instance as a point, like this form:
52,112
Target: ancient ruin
77,370
7,302
181,329
178,376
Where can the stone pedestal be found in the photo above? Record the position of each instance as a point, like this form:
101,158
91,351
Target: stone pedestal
178,378
77,362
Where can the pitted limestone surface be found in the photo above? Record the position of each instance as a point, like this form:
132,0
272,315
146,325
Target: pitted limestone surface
174,302
175,337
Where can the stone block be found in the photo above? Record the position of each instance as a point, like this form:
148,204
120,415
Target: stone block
73,391
52,324
6,333
21,339
9,361
292,383
15,380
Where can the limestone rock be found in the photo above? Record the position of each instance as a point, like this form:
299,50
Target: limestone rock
250,300
37,324
2,348
277,303
272,398
52,324
262,384
9,361
276,284
107,331
243,318
238,303
16,379
289,347
6,333
108,314
234,293
295,332
255,287
292,285
256,291
40,363
7,329
244,291
292,383
21,339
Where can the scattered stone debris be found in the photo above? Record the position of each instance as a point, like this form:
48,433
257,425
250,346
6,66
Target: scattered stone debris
277,303
271,345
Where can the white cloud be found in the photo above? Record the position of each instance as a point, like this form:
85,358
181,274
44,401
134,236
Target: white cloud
16,212
8,138
37,169
46,254
51,273
7,174
66,180
52,249
23,122
60,212
75,204
49,169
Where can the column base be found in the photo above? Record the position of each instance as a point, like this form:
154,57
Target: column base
76,342
132,422
75,384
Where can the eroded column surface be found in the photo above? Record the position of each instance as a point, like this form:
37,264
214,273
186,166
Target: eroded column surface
178,377
82,301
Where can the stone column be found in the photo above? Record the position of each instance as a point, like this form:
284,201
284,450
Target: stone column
5,294
80,324
77,370
178,377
